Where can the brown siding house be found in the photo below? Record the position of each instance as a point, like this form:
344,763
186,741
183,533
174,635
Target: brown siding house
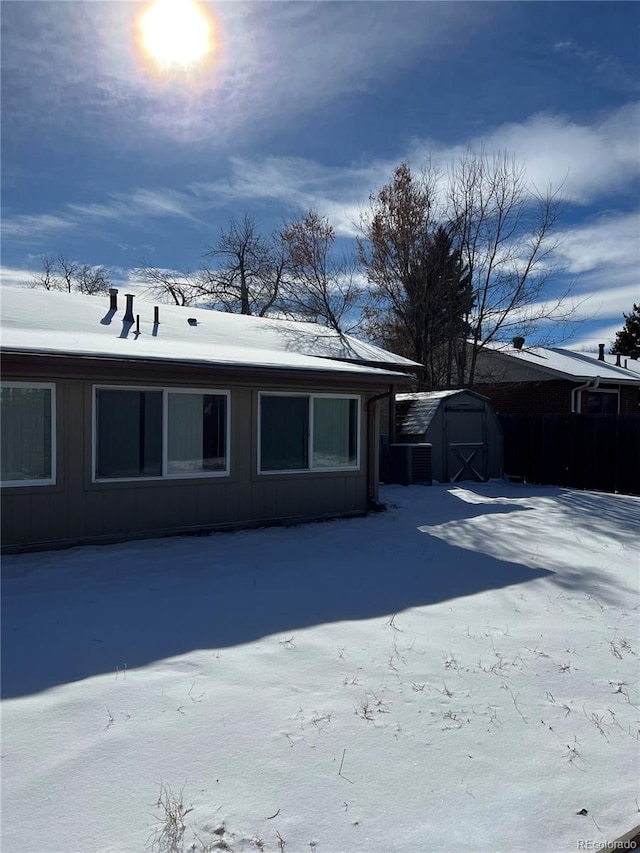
188,422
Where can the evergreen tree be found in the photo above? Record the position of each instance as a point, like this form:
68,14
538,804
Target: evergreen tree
628,338
421,291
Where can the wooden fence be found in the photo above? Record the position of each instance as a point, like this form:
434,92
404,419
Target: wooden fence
600,452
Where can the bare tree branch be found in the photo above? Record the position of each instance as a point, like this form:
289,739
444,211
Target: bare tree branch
321,287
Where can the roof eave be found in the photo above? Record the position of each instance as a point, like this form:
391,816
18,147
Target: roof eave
96,365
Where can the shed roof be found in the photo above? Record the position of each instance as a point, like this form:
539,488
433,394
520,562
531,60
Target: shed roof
415,418
44,322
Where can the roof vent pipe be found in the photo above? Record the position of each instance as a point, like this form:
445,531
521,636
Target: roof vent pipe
518,343
600,352
618,360
156,314
113,299
128,316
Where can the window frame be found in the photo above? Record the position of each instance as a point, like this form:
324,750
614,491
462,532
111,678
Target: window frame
52,480
311,469
165,474
611,391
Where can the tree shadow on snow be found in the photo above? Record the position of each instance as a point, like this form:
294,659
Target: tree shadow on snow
75,614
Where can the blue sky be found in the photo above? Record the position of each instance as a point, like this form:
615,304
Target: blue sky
111,160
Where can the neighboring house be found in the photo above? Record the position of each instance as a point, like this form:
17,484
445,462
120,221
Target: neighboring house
462,429
122,421
520,379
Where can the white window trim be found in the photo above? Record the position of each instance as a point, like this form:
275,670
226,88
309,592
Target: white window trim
165,474
311,397
51,481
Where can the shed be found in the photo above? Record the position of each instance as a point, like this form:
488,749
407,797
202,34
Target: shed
462,428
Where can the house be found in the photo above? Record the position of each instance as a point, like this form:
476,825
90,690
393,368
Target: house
520,379
460,425
125,420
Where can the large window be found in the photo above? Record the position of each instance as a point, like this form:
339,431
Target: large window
27,413
160,433
601,402
308,432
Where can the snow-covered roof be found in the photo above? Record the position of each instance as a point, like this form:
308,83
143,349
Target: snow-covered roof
626,363
39,321
422,409
566,364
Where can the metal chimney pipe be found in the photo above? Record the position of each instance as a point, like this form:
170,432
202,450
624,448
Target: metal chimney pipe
113,299
128,316
137,324
600,352
156,314
618,360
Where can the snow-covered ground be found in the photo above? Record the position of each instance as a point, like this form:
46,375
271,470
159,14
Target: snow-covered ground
457,673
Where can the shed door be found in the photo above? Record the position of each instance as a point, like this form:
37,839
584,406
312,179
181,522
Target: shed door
466,443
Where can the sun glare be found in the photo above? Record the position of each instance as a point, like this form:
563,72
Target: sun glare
175,32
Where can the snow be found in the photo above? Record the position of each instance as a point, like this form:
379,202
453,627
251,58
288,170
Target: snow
573,365
44,321
459,672
418,417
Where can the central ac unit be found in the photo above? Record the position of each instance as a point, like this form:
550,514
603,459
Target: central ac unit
410,464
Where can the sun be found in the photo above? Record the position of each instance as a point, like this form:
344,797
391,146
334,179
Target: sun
176,32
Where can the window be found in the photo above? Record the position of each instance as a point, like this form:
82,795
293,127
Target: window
160,433
601,403
308,432
27,411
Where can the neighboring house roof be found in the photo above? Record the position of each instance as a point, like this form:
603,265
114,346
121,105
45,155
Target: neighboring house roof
628,364
39,321
423,407
560,364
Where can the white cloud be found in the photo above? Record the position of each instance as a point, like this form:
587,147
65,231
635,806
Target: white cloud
583,161
139,206
600,260
586,161
610,245
11,277
588,341
603,256
273,61
27,225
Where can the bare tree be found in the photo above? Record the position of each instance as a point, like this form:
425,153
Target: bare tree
504,230
171,286
61,273
46,278
248,270
322,287
499,262
92,280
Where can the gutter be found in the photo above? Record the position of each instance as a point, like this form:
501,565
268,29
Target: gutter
372,448
576,406
99,367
